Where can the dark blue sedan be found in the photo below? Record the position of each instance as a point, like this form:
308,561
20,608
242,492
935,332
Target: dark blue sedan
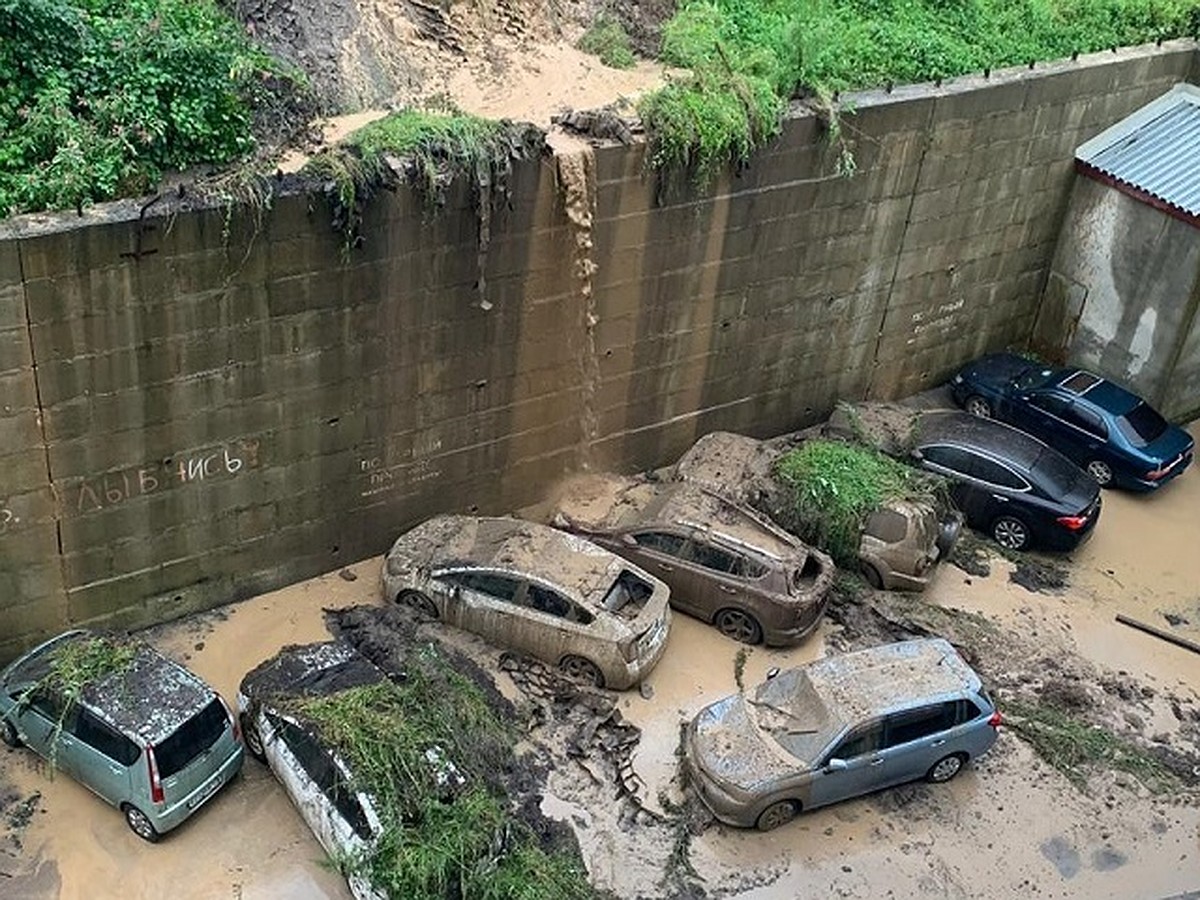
1116,436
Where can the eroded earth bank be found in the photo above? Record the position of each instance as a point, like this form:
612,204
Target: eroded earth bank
1041,631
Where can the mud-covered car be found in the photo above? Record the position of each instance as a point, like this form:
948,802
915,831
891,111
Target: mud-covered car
837,728
900,541
139,730
534,589
724,564
315,777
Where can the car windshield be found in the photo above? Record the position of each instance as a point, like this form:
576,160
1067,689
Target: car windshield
191,739
1141,425
1055,473
1031,378
789,709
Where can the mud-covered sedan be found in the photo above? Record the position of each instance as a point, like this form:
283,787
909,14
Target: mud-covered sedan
1115,435
725,565
535,589
1007,483
837,728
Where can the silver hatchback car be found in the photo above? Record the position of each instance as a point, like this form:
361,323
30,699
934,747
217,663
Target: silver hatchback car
837,728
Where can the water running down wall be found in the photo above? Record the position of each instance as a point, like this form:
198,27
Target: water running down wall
196,409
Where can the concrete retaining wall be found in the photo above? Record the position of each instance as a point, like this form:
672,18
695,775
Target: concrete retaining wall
199,407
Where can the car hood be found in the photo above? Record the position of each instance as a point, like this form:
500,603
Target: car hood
996,369
729,747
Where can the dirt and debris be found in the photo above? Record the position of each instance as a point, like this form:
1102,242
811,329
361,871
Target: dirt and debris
890,428
604,124
1038,575
17,813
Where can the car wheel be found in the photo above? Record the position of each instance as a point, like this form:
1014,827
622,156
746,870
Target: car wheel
254,743
140,823
1101,471
8,733
1010,533
872,576
418,601
739,625
778,813
977,406
580,669
945,768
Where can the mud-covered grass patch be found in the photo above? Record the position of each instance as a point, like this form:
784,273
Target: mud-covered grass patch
607,39
834,487
1075,746
435,750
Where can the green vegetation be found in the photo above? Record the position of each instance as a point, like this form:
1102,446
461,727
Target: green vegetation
435,144
748,57
441,839
835,486
607,39
1071,745
99,97
80,663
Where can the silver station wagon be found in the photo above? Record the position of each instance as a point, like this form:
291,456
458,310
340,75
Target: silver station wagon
148,736
537,590
838,728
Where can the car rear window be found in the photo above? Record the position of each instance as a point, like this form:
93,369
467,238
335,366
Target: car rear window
1056,475
887,525
189,740
627,595
1141,425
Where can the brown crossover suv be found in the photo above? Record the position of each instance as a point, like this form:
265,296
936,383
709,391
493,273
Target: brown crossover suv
901,540
724,564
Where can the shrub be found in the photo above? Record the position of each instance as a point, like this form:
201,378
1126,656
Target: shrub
607,39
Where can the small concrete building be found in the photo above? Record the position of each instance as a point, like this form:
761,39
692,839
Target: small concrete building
1124,286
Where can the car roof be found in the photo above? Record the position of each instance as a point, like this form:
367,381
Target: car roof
1111,398
147,700
465,542
872,682
986,435
310,670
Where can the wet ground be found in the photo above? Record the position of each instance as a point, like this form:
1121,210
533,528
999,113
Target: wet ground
1009,826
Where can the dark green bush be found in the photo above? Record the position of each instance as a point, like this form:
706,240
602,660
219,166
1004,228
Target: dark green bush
99,97
608,40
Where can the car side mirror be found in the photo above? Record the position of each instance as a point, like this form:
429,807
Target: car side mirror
917,454
628,540
836,765
772,672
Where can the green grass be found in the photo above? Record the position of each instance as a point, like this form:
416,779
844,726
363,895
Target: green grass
439,843
608,40
98,98
819,47
835,486
80,663
1073,746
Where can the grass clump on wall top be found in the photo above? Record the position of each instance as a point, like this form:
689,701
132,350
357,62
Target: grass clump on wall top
815,48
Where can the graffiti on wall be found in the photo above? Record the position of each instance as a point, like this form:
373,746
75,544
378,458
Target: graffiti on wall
8,518
381,478
115,488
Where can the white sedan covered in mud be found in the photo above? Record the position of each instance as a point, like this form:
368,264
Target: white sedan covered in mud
536,590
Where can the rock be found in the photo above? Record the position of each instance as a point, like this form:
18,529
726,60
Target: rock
347,575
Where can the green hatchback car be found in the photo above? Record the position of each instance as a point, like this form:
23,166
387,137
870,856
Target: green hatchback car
136,728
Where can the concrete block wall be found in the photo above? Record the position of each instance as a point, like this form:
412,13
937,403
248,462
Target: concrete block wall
201,406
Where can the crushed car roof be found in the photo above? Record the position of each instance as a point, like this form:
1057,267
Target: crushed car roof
311,670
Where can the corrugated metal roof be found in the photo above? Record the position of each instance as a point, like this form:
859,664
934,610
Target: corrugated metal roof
1155,151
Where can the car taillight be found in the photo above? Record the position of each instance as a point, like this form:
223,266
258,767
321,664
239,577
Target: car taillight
629,648
156,788
233,722
1072,523
996,720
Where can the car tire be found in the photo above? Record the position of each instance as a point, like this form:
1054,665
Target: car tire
418,601
739,625
978,406
1101,471
778,813
8,734
871,575
946,768
254,742
580,669
139,823
1010,533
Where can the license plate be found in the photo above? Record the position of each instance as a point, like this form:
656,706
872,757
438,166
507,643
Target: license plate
205,792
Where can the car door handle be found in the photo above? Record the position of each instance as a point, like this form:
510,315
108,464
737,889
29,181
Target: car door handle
727,590
877,762
999,499
116,770
938,743
665,568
